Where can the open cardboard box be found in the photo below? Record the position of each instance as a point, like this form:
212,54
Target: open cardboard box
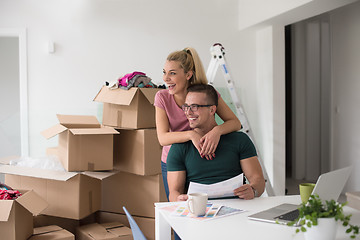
131,108
110,231
51,232
16,216
83,144
137,151
73,195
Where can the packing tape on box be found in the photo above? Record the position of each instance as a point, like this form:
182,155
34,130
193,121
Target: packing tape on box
91,166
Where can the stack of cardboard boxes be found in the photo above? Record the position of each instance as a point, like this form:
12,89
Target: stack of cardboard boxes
107,166
84,148
137,154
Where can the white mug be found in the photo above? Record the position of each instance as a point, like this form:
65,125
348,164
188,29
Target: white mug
197,203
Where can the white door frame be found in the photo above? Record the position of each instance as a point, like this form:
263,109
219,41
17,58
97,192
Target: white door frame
23,87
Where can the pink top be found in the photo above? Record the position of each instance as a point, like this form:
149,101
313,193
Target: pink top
177,118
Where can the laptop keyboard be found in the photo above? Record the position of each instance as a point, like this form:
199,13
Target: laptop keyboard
289,216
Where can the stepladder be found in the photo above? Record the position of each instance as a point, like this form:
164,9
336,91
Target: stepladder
218,61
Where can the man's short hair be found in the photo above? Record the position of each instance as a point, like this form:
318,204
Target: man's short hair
211,93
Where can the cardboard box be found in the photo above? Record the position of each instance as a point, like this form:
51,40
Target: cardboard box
353,199
69,194
137,193
131,108
137,151
147,225
66,223
95,231
52,232
83,143
16,216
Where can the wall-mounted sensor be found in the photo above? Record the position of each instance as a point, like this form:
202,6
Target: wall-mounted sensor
51,47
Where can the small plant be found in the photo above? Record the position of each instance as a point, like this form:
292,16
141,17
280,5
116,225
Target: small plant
310,212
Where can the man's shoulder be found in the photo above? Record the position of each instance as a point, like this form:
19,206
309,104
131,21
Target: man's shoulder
237,134
237,138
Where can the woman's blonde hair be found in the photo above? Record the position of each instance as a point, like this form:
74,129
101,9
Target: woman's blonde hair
189,61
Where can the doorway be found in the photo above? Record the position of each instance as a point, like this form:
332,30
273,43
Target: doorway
308,100
13,94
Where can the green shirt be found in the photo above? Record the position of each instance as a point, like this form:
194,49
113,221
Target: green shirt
232,148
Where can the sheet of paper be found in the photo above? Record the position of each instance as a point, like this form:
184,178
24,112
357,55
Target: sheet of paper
213,211
218,190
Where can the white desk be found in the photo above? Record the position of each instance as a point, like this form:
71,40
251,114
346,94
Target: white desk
237,226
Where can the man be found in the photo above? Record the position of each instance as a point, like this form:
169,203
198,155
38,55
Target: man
235,153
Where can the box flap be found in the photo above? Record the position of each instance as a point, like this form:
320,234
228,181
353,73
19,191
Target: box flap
51,232
53,131
112,225
37,172
96,231
32,202
120,231
78,121
52,151
100,175
116,96
117,229
149,93
6,206
46,229
92,131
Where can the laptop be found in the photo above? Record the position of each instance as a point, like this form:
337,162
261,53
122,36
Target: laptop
328,186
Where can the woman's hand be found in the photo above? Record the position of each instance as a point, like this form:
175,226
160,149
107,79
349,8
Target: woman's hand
195,138
209,143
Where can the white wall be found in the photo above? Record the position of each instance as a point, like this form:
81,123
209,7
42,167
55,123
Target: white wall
98,41
345,41
252,12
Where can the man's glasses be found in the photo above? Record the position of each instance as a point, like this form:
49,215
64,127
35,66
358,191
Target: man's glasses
193,107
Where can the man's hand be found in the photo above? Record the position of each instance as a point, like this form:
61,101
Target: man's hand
245,192
182,197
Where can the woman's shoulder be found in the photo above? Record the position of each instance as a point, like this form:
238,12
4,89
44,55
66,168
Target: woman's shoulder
164,93
163,98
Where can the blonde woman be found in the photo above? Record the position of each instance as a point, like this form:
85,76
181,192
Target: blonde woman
182,69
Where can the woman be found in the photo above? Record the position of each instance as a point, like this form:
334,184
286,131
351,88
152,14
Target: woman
182,69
